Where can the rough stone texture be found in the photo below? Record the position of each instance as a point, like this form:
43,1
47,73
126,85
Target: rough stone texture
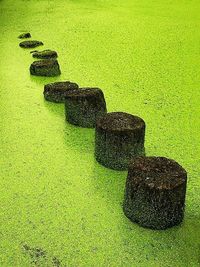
30,44
84,106
45,54
155,192
46,67
56,92
119,137
24,35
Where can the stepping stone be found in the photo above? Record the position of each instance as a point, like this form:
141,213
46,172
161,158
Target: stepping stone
155,192
46,67
24,35
30,44
45,54
56,92
119,137
84,106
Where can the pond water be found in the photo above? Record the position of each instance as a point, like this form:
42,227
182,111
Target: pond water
58,206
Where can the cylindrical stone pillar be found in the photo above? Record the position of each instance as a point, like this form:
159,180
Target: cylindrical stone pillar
119,137
84,106
46,67
155,192
56,92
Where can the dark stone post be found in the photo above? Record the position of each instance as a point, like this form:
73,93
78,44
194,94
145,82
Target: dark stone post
155,192
119,137
84,106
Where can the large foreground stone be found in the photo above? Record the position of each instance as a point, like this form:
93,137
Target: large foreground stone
155,192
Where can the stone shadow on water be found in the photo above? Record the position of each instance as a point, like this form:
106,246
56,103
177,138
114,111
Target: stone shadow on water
42,80
109,183
56,108
78,138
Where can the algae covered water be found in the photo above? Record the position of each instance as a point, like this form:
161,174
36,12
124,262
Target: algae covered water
58,206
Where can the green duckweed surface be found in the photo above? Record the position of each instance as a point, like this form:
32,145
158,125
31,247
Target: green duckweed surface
58,206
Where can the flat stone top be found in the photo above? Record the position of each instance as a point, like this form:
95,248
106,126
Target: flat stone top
156,172
85,92
44,54
61,86
120,121
30,44
45,63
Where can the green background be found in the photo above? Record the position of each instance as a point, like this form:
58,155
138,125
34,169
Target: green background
54,196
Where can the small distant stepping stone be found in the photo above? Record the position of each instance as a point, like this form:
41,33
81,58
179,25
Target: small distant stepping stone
45,54
45,67
119,137
56,92
24,35
155,192
30,44
84,106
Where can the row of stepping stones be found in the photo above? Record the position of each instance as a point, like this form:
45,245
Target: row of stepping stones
155,186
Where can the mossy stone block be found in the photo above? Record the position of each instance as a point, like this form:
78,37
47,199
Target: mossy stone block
84,106
24,35
155,192
45,54
46,67
56,92
119,136
30,44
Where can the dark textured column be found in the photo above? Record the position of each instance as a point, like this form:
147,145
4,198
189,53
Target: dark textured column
84,106
119,137
155,192
46,67
56,92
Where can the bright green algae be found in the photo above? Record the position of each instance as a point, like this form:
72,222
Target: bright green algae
54,196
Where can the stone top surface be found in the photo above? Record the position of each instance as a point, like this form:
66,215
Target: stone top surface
61,86
120,121
45,54
156,172
85,92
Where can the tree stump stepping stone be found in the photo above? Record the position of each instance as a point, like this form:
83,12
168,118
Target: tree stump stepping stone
56,92
30,44
45,67
119,136
45,54
155,192
84,106
24,35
